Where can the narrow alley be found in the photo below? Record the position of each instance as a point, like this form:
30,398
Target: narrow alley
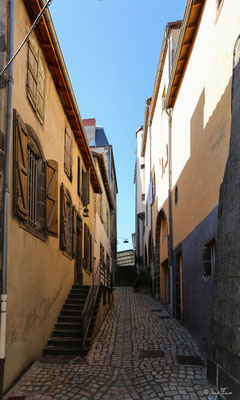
134,356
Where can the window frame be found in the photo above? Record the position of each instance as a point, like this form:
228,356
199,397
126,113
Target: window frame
34,146
208,270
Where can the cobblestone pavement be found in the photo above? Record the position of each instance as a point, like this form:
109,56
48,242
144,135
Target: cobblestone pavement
118,366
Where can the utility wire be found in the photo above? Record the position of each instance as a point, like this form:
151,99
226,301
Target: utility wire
26,38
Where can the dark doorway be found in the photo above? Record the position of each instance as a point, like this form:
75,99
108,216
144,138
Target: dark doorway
78,278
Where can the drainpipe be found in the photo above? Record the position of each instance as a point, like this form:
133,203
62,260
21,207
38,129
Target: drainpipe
169,113
3,316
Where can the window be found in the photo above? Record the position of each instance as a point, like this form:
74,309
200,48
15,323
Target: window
85,187
68,230
209,251
68,153
35,182
87,249
35,79
163,97
142,166
176,194
79,177
143,196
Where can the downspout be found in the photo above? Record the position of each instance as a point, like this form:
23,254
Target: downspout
3,316
151,215
170,212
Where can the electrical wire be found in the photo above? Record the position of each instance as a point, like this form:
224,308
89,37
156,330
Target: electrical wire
27,36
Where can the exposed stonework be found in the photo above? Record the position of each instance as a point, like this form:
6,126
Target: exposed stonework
224,359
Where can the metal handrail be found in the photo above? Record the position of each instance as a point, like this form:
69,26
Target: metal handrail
103,271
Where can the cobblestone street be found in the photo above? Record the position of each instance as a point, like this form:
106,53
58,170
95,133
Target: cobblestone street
134,356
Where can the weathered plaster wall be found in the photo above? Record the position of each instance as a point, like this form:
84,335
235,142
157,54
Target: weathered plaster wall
201,119
39,274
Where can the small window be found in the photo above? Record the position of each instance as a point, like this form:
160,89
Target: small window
209,252
142,166
35,79
36,192
143,196
163,97
176,194
79,177
68,153
87,249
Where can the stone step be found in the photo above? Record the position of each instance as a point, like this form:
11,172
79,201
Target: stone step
64,351
70,333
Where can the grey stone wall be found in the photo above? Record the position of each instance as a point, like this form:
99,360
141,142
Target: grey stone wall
224,354
197,290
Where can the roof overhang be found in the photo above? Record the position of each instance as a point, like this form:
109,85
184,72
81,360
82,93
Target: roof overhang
161,62
103,171
191,20
145,126
51,49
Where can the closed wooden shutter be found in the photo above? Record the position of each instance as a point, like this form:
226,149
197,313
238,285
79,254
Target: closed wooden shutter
32,75
52,198
21,167
63,218
68,152
74,238
90,253
86,188
79,178
41,195
40,91
86,247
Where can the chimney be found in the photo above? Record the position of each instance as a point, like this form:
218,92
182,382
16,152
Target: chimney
90,129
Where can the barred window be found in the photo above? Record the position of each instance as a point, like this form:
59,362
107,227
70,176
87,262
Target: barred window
36,193
33,167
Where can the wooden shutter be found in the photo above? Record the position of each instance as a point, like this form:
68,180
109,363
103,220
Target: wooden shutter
68,152
21,167
74,232
63,218
86,247
52,198
79,177
40,90
90,253
86,188
32,75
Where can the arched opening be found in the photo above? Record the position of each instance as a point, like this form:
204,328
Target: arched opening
161,273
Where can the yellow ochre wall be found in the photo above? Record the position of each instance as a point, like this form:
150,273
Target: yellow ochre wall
39,275
201,119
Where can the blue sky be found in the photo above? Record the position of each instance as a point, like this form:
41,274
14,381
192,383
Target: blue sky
111,49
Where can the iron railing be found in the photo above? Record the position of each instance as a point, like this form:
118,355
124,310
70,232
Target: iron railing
102,276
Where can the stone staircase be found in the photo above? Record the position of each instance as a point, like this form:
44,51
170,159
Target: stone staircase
66,339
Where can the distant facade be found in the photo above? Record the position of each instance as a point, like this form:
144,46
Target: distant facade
98,142
139,180
184,146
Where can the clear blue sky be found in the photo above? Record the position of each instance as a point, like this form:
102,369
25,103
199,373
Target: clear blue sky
111,49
